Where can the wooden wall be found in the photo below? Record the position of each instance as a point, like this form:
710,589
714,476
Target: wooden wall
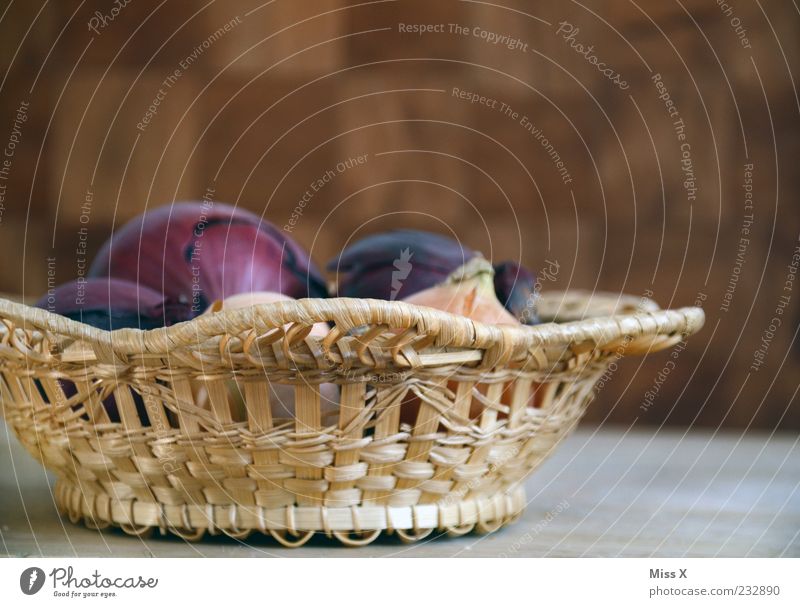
257,100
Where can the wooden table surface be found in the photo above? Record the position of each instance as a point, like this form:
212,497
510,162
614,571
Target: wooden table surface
607,492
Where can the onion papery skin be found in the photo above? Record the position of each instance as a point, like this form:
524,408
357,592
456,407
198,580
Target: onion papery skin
468,291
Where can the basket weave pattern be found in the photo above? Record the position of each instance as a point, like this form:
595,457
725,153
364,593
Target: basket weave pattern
438,419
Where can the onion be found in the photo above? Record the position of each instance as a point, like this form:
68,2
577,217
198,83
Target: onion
197,253
397,264
281,396
393,265
109,303
515,287
469,291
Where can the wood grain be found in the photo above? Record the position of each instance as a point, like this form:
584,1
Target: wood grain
254,119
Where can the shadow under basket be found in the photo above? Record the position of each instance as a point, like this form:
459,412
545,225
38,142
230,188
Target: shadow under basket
402,419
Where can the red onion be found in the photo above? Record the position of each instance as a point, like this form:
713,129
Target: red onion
110,303
201,252
398,264
515,287
393,265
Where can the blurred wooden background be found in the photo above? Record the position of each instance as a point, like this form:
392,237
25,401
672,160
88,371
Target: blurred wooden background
254,101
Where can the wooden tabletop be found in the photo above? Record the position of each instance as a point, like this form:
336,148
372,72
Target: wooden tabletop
607,492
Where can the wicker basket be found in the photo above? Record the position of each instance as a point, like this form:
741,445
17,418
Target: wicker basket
189,464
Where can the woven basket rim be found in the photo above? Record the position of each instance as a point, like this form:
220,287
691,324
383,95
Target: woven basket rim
450,329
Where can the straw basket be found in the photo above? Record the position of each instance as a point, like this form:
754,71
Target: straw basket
439,419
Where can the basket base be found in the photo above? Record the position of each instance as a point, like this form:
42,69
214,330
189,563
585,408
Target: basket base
293,525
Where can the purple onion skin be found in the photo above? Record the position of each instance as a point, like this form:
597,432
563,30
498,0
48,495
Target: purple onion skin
393,265
515,287
108,303
197,253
